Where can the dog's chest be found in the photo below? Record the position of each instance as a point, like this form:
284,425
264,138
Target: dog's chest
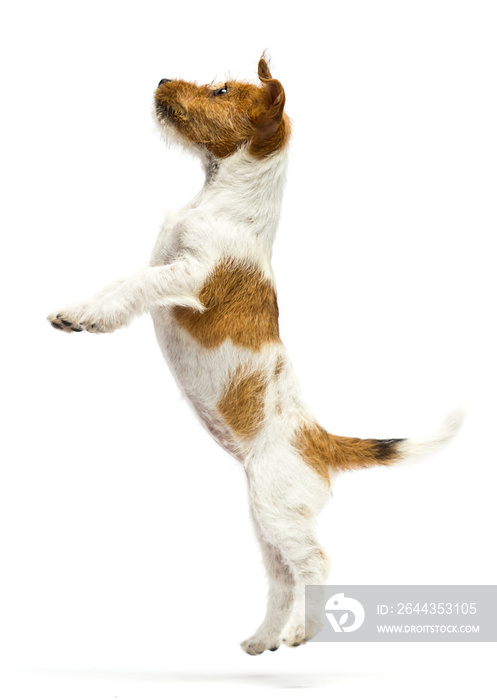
169,242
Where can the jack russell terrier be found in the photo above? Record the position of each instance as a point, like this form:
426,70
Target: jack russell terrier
210,289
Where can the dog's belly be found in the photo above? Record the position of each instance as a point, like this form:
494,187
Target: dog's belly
206,377
201,374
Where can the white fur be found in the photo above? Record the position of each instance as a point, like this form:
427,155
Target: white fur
235,215
414,449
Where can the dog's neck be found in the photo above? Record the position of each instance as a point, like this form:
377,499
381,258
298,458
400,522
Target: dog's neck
246,190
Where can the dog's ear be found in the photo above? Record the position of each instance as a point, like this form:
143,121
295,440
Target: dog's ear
263,69
267,116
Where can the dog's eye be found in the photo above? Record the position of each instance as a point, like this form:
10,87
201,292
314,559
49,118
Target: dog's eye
221,91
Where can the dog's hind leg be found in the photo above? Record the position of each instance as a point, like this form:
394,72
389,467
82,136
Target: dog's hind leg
279,601
309,565
286,496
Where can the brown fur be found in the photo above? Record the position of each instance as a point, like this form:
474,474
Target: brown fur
242,405
273,126
240,306
279,367
246,115
323,451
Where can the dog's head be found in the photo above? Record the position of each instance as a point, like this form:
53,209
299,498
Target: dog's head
223,118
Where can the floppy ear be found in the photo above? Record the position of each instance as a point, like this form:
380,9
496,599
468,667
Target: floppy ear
268,115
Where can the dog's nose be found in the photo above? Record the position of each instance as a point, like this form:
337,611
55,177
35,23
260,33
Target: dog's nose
164,81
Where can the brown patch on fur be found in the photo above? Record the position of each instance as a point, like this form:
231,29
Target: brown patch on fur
242,405
303,511
323,451
240,305
222,123
279,367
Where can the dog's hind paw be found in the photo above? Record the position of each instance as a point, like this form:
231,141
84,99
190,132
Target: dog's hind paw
295,637
298,632
259,643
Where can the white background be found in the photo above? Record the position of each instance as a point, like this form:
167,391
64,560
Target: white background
129,566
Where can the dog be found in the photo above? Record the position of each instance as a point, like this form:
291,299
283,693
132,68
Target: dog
211,292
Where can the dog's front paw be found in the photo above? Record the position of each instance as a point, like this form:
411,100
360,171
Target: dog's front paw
89,318
65,321
102,323
258,643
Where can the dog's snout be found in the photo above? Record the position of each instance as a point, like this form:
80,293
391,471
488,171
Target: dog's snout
164,81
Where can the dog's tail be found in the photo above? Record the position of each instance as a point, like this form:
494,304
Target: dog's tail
344,453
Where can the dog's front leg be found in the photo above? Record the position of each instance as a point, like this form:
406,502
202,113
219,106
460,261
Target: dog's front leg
119,303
